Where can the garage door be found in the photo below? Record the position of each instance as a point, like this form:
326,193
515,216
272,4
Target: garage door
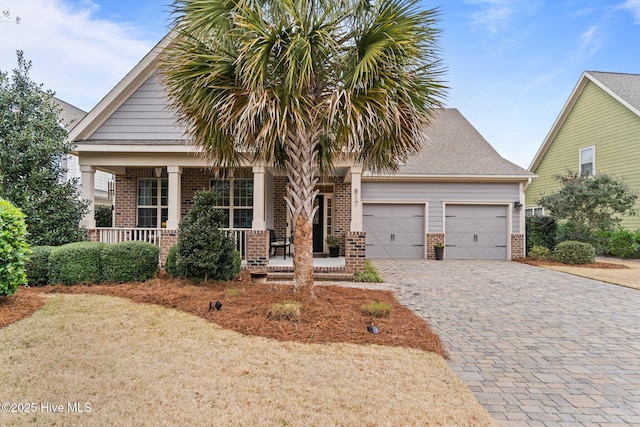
394,231
476,232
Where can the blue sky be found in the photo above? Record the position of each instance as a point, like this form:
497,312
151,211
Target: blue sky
511,63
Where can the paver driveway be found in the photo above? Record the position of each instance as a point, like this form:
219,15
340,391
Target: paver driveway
537,347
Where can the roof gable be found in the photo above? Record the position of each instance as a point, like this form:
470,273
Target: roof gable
625,88
455,147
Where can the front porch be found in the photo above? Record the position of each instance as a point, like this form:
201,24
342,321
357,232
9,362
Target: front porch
150,201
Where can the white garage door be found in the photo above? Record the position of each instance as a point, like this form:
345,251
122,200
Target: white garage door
476,232
394,231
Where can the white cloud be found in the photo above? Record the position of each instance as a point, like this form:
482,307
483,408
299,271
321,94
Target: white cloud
634,7
590,41
495,15
75,54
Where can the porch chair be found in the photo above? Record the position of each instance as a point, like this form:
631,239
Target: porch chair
275,244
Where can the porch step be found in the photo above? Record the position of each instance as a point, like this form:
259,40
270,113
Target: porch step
318,276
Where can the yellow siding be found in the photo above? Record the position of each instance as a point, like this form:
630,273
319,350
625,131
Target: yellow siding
596,119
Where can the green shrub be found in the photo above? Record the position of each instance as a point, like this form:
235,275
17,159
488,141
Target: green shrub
170,262
624,244
540,252
204,252
129,262
376,309
601,241
103,216
76,263
541,231
14,250
38,266
572,252
573,231
369,274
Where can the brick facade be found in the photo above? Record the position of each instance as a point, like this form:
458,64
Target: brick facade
279,206
432,239
257,248
355,247
517,246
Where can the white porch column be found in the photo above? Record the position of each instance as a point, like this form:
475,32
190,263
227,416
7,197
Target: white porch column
259,222
175,197
356,198
88,186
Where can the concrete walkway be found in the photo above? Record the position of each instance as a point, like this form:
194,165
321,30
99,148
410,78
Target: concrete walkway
537,347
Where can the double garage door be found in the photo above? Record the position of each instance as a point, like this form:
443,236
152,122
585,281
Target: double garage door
394,231
472,231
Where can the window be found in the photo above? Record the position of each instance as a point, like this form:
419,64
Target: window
587,161
235,198
153,202
534,211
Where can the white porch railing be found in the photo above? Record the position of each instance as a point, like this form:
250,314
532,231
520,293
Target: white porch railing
154,235
115,235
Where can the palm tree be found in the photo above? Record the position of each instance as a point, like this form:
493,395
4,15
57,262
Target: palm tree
301,83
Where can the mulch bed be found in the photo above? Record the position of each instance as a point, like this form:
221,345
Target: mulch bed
333,316
605,265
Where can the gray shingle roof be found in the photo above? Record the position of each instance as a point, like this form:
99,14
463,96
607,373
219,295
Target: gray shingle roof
455,147
626,86
69,114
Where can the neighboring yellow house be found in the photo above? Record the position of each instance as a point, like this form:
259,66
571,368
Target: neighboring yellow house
597,131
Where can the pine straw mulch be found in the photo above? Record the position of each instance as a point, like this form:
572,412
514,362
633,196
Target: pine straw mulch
541,262
334,316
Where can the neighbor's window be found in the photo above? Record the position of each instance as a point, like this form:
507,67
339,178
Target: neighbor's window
534,211
235,199
153,202
587,161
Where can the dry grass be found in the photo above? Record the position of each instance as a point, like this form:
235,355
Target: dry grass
149,365
610,270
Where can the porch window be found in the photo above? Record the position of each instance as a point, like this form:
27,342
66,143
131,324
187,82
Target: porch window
534,211
153,202
587,161
235,199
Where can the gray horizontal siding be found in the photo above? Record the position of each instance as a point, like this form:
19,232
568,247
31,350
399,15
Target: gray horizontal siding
436,192
144,116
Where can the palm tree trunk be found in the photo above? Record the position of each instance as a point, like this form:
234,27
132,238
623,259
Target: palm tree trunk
301,171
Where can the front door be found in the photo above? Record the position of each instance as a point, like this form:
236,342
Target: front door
318,224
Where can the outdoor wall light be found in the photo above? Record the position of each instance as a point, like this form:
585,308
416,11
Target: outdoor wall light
517,205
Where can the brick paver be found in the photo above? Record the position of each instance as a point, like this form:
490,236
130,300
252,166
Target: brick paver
536,346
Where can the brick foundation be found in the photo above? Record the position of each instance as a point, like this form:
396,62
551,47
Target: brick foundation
432,239
257,249
355,250
517,246
168,238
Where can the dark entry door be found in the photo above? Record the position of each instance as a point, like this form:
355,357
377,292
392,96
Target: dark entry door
318,224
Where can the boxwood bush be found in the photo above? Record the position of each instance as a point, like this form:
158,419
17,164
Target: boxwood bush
572,252
76,263
625,243
539,252
14,250
129,262
38,266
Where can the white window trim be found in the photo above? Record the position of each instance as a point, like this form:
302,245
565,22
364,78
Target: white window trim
593,161
231,207
533,208
158,207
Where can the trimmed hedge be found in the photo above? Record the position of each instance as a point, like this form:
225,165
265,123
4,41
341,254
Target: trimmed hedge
541,231
540,252
572,252
14,250
625,243
170,262
129,262
38,267
76,263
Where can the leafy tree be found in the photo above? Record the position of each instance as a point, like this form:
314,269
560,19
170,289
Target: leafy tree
203,251
302,83
33,141
593,203
14,250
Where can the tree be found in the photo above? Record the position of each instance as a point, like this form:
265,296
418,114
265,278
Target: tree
33,142
590,203
301,83
203,251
